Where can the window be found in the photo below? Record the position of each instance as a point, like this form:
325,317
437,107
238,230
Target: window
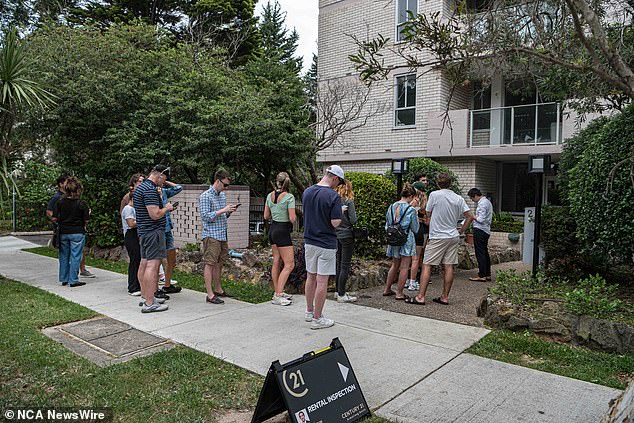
403,7
405,104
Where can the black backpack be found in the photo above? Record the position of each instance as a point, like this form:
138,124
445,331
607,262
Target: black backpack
395,235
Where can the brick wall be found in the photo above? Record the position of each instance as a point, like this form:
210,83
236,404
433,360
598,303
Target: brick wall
186,217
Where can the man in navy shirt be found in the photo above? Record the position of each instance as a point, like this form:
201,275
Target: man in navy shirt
322,214
150,220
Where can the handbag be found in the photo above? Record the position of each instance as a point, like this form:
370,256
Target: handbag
55,240
360,232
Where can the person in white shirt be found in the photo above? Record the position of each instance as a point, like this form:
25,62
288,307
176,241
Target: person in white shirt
481,234
444,209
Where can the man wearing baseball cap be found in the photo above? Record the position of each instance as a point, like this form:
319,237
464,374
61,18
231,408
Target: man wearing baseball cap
322,214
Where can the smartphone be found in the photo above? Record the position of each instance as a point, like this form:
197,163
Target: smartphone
174,204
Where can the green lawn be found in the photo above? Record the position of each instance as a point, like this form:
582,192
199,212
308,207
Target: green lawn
240,290
526,349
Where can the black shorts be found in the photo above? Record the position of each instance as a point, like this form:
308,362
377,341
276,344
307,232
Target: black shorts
280,234
421,236
153,245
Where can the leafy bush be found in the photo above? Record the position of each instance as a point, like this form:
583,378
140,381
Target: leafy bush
36,187
514,286
191,247
372,196
505,222
602,206
593,297
431,168
103,197
558,233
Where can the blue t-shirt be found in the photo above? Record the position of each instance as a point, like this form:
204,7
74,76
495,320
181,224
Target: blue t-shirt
321,205
147,195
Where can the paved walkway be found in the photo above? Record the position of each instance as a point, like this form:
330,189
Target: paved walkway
411,369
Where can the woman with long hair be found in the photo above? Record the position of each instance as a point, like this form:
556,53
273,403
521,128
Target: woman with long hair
345,241
404,213
419,203
280,209
131,240
72,215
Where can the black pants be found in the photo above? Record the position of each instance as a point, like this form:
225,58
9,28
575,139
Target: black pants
481,244
134,252
345,248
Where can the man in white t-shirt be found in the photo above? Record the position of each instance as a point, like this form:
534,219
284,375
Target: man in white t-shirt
481,233
446,208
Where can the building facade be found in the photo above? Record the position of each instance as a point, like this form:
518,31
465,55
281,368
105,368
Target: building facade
492,131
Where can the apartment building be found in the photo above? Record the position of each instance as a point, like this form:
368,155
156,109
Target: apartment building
492,132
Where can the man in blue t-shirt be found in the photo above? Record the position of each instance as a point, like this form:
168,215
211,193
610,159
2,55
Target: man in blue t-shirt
322,214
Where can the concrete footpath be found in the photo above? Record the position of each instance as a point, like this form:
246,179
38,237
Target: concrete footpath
411,369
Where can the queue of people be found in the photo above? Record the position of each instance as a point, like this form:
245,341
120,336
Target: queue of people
421,232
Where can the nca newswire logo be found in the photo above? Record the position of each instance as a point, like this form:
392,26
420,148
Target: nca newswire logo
58,415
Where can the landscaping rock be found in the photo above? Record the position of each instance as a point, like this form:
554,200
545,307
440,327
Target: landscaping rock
249,259
552,328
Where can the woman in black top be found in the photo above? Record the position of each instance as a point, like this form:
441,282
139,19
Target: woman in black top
72,215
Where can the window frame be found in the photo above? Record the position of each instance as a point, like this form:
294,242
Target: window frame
397,35
406,107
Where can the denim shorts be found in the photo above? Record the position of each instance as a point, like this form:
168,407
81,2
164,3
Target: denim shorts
169,241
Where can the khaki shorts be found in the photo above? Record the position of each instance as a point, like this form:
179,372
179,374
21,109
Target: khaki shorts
443,251
214,251
321,261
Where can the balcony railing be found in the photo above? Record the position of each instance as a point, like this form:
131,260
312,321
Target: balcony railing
531,124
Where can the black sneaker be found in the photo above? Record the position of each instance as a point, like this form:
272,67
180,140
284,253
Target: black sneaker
171,289
72,285
161,294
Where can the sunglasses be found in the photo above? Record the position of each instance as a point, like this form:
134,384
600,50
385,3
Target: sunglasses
167,169
223,184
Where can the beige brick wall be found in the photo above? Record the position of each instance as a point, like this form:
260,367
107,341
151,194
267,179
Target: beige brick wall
186,217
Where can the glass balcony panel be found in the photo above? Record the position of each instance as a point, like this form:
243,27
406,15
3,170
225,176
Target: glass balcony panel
508,126
524,124
547,124
481,128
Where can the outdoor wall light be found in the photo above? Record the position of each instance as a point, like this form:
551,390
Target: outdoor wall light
400,166
539,163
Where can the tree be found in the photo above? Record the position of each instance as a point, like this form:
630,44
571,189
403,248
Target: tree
278,45
17,94
585,46
103,13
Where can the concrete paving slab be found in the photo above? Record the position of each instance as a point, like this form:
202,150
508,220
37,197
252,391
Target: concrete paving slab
11,243
126,342
476,389
89,330
428,331
184,307
254,337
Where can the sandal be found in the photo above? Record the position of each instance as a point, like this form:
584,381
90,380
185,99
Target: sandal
439,301
413,300
478,279
223,294
400,298
389,294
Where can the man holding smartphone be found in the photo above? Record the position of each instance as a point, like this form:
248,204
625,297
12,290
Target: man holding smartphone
214,212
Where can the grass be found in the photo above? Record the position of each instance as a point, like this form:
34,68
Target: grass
528,350
242,291
181,384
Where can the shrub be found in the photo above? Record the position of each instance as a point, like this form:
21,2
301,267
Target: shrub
504,222
191,247
514,286
558,233
372,196
103,197
36,188
593,297
601,206
431,168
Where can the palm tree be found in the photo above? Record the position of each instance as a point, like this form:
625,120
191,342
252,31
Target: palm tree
17,94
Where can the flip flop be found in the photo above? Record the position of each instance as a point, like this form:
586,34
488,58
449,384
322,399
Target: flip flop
477,279
439,301
400,298
389,294
413,300
223,294
488,278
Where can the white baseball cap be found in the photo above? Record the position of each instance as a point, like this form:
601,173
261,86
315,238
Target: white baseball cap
336,170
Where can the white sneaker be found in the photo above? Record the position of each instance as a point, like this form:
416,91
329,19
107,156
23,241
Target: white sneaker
308,316
322,323
135,293
287,296
407,283
281,301
414,286
346,298
156,300
154,307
